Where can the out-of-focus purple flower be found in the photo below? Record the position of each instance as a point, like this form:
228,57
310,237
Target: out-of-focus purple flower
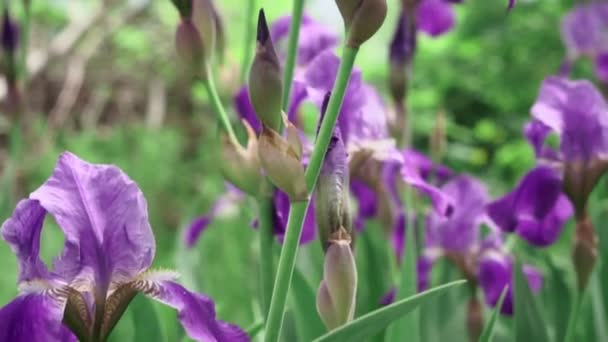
459,231
109,247
511,4
601,66
367,201
578,113
435,17
403,45
428,170
281,203
496,271
536,210
314,38
10,33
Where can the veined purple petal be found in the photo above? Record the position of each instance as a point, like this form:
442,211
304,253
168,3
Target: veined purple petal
195,312
281,202
34,317
495,272
459,232
537,209
22,232
578,113
435,17
104,217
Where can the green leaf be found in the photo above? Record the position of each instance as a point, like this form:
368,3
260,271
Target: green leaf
369,324
254,329
308,323
529,323
145,319
488,330
407,328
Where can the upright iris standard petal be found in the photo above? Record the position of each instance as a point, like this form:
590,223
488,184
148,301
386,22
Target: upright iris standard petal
435,17
34,317
104,217
578,113
495,271
314,37
195,312
459,231
536,210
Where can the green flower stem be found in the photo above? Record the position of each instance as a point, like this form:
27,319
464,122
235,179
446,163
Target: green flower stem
266,237
574,313
292,49
218,107
250,16
298,209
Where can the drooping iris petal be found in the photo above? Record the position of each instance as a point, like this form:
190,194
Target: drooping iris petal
281,202
313,39
536,210
104,217
495,271
578,113
22,232
442,202
435,17
195,312
459,231
34,317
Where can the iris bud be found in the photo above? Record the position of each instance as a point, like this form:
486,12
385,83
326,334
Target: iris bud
332,190
282,161
402,49
265,82
203,17
362,18
338,289
190,48
241,166
10,33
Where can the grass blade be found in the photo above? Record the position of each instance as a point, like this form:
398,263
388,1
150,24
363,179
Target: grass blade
488,330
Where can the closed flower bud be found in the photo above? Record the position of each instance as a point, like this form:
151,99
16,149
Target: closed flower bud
281,159
332,190
204,19
241,166
585,251
10,33
190,48
362,18
401,52
265,82
338,288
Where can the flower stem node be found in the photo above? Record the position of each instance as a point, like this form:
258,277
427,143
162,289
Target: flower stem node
585,251
338,289
241,165
362,18
281,159
265,81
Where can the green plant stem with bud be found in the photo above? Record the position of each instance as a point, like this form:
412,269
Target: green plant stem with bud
292,50
298,209
250,16
218,107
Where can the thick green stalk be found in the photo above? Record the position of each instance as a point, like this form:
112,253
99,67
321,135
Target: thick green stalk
218,107
298,210
250,16
574,313
266,237
292,50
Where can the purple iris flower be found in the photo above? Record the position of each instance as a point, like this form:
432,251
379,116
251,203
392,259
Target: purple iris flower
585,33
435,17
578,113
496,271
109,247
536,210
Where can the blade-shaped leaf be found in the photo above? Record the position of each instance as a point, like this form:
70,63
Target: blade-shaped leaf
488,330
408,327
145,319
529,323
254,329
367,325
